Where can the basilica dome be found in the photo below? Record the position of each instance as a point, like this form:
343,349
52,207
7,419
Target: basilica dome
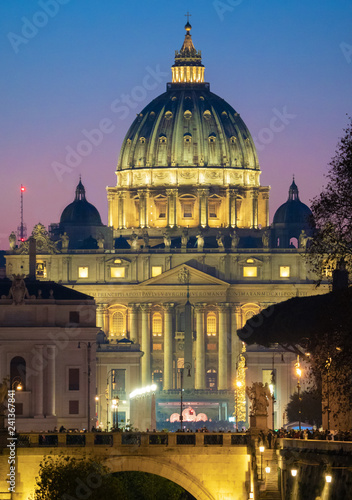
188,160
80,212
293,211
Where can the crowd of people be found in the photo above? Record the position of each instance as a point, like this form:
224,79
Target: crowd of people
270,438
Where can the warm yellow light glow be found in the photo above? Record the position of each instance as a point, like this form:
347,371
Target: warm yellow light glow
284,271
267,469
83,272
117,272
261,449
117,261
251,495
114,401
328,478
239,383
294,472
19,387
156,270
250,272
271,389
298,371
96,398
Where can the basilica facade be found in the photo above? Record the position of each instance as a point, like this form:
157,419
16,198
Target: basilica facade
187,257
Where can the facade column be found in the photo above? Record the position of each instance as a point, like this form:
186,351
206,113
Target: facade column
254,196
100,316
232,214
168,310
145,345
51,396
171,207
105,319
222,354
121,209
200,346
142,207
110,209
236,344
266,198
39,381
203,206
134,323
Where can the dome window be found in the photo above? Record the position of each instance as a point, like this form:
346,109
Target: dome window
174,98
168,115
187,138
142,140
224,114
162,139
201,98
207,114
212,138
233,139
187,114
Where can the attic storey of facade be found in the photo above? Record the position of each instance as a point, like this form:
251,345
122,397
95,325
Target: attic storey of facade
188,160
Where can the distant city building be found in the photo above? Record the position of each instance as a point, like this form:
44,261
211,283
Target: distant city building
188,257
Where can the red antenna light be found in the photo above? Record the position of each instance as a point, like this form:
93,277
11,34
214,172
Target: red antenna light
23,188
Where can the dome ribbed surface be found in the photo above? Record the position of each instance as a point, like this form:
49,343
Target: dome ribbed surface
188,126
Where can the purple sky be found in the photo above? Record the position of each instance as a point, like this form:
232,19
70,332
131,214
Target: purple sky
62,76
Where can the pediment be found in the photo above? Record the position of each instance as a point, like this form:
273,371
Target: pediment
178,276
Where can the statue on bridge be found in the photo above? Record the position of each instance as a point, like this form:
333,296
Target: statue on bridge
259,396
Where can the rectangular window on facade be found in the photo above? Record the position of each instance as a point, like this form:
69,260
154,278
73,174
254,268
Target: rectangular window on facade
83,272
188,210
73,379
161,210
73,407
156,270
41,269
284,271
117,272
213,210
118,382
250,272
74,317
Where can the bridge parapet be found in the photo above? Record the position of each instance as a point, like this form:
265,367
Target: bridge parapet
122,439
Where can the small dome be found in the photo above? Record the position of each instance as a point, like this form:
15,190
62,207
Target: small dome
80,212
293,211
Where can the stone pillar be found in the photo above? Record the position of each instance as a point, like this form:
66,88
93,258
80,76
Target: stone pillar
236,344
39,381
110,209
121,209
145,345
171,207
266,198
232,194
200,346
168,309
51,357
254,196
142,208
100,316
222,354
134,323
105,319
203,206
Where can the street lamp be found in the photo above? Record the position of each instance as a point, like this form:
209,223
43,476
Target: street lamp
267,468
115,408
327,366
188,367
17,384
293,472
238,386
261,449
299,374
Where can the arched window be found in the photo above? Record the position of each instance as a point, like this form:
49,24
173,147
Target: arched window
17,372
157,325
211,324
158,379
118,323
212,379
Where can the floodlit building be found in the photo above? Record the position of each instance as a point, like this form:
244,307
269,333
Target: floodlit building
187,257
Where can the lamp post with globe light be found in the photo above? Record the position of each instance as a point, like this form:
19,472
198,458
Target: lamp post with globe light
299,374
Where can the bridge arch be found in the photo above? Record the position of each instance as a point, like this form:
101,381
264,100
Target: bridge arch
174,473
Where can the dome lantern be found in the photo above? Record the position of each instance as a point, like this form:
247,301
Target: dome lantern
188,67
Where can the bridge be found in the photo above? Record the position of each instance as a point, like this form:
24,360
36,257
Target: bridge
210,466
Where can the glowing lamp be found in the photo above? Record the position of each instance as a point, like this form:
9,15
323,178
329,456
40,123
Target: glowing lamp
261,449
328,478
298,372
294,472
96,398
19,387
251,495
239,383
23,189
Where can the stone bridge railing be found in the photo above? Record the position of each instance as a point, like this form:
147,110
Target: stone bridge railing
125,439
